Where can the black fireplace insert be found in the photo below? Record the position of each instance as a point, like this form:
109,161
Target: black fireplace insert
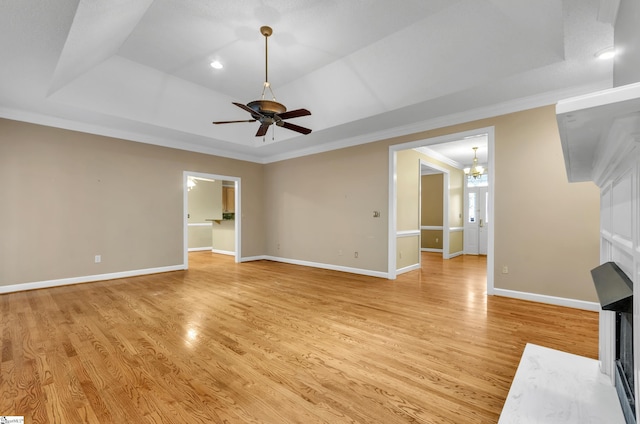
615,293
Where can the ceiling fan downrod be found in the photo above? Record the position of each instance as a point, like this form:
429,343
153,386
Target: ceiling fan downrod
266,31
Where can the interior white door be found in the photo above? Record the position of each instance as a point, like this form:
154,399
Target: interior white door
476,226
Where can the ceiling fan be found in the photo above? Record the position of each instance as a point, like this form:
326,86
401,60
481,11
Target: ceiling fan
269,112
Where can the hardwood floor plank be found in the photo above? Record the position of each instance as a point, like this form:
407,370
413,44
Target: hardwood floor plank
265,342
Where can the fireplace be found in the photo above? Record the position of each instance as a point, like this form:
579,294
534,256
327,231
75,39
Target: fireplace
624,379
615,293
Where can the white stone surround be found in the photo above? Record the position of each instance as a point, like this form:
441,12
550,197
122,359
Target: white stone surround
557,387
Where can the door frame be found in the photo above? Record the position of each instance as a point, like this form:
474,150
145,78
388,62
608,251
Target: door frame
393,175
185,211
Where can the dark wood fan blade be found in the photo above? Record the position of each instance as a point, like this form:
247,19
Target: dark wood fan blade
262,130
294,127
233,122
294,113
247,108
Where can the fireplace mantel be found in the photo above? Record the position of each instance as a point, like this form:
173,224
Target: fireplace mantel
598,130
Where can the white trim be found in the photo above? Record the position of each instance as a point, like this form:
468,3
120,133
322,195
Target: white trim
199,224
599,98
87,279
442,158
204,144
201,145
408,268
441,227
199,249
453,255
254,258
324,266
393,212
408,233
429,249
223,252
551,300
471,115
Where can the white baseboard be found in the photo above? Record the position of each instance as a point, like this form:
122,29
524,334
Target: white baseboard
359,271
253,258
453,255
87,279
407,269
552,300
199,249
429,249
223,252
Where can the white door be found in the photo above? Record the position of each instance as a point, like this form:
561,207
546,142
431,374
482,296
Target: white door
476,227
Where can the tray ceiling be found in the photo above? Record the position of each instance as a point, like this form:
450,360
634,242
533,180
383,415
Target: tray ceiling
366,69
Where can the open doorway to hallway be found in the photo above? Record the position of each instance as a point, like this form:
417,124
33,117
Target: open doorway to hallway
438,150
211,205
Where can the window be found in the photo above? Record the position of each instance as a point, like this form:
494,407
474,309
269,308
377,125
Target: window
472,207
481,181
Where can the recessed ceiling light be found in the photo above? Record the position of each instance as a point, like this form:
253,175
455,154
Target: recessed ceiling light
605,54
216,64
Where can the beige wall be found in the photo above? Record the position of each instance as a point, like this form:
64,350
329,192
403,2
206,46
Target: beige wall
431,192
224,236
72,195
67,196
199,237
431,239
456,193
205,201
407,251
320,208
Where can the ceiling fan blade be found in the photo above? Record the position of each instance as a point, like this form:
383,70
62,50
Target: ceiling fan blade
247,108
294,113
233,122
294,127
262,130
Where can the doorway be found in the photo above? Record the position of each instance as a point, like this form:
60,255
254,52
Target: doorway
476,220
237,223
393,234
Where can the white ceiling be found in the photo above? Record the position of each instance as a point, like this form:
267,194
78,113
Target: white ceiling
366,69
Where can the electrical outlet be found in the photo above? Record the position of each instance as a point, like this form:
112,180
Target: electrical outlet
401,254
505,269
355,255
437,239
98,259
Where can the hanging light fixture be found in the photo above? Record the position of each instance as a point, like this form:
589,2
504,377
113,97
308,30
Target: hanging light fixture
476,170
191,183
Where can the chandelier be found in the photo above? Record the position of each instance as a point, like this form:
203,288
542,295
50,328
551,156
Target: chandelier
476,170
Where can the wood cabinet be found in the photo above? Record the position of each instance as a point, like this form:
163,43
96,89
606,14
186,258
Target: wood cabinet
228,199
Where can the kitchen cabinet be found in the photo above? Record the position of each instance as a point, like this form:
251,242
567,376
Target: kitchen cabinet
228,199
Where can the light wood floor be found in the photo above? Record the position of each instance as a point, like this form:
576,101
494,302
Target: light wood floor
265,342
